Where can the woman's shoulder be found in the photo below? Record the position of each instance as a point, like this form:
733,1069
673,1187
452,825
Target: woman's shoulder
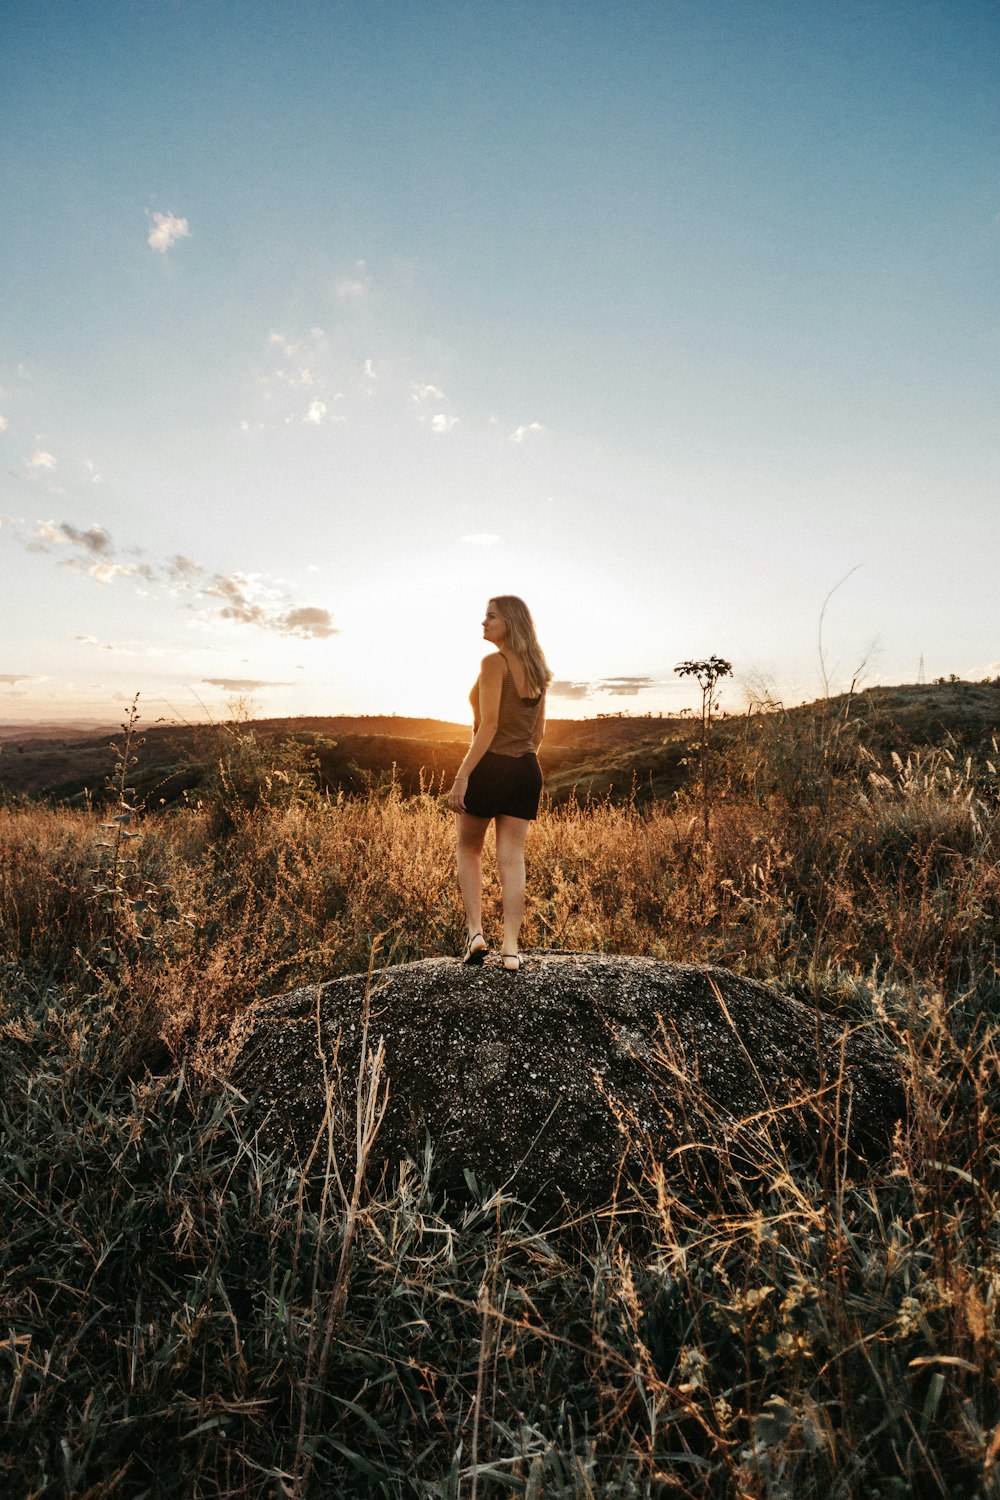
493,664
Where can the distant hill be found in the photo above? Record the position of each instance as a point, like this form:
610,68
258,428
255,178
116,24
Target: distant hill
608,756
352,751
54,731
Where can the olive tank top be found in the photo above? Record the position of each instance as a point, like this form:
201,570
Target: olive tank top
517,721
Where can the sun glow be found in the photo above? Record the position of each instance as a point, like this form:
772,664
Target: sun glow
412,633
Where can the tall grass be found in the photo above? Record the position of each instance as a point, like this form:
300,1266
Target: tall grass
180,1317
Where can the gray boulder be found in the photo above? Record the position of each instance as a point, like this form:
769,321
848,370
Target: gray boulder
553,1081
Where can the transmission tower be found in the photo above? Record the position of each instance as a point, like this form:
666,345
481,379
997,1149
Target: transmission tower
921,679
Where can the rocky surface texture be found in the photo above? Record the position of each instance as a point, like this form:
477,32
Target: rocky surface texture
539,1081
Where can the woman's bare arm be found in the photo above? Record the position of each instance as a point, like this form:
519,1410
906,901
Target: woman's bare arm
490,687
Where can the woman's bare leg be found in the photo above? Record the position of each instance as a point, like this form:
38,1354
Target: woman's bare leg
471,833
511,835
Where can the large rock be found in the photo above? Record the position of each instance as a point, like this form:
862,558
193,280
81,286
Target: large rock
539,1080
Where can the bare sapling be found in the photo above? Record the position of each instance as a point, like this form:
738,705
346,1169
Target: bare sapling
707,674
114,862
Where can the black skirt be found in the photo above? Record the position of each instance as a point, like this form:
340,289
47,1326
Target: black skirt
504,786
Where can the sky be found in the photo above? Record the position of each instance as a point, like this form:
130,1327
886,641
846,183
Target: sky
323,323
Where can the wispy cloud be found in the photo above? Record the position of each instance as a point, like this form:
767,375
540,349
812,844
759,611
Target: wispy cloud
105,571
119,648
616,687
353,287
11,679
624,687
253,600
181,569
166,231
41,460
246,599
297,367
45,535
4,424
309,377
94,540
308,622
520,433
90,551
242,684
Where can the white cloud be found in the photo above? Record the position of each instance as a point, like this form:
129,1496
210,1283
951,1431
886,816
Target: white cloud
91,468
481,539
166,231
47,534
442,422
316,412
41,460
103,572
426,392
520,433
4,424
370,372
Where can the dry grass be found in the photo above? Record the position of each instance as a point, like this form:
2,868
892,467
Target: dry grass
181,1319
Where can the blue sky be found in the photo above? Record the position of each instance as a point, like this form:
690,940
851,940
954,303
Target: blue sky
321,323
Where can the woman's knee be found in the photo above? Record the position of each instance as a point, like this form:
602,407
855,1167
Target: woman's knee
510,864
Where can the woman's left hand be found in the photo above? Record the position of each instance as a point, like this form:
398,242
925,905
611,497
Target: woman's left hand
456,797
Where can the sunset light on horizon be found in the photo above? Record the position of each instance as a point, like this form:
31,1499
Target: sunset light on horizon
324,323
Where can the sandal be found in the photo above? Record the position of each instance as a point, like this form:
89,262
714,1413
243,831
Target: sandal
475,955
511,962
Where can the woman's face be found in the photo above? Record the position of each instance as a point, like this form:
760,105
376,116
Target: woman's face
494,625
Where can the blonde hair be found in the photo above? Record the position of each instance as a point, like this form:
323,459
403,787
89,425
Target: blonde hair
523,641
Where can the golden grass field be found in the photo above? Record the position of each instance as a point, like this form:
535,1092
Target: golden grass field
177,1319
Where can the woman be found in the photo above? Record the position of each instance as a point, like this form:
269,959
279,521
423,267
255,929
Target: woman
500,777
